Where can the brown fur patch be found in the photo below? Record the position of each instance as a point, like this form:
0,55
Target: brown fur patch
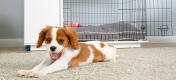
48,36
42,36
98,55
62,36
72,36
82,56
102,45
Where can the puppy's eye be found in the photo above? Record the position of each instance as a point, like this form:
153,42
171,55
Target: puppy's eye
61,41
48,40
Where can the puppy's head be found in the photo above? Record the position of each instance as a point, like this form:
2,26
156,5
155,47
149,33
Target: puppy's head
57,39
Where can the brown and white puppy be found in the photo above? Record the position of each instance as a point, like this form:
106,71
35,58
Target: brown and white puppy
65,51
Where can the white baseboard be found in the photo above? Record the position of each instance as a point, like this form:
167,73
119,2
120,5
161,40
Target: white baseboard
161,39
127,45
34,48
132,44
121,44
11,42
117,44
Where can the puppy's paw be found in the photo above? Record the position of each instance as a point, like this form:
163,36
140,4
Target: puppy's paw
23,73
33,74
27,73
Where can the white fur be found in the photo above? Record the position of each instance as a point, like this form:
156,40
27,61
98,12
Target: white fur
48,66
62,62
108,51
90,59
45,62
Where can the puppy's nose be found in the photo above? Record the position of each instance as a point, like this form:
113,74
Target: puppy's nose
52,48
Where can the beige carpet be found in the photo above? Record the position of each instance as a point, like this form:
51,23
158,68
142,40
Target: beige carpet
133,64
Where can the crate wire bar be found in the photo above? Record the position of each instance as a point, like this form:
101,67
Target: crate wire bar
111,20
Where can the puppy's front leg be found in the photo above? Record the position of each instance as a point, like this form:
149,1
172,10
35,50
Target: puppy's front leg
45,62
32,73
56,66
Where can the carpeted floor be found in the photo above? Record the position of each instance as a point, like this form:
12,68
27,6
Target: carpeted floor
133,64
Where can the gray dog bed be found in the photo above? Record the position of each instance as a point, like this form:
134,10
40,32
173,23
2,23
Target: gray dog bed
113,31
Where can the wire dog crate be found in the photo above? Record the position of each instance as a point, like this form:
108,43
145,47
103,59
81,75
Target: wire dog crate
111,20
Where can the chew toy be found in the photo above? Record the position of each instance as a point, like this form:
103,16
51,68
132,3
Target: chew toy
73,24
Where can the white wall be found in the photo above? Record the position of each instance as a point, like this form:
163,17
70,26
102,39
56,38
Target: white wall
11,19
39,14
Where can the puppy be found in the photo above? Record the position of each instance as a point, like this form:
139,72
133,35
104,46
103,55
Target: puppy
65,51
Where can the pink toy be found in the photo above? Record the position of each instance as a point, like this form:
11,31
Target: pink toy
72,24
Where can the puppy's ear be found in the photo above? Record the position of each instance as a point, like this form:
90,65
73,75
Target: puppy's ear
73,37
42,35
